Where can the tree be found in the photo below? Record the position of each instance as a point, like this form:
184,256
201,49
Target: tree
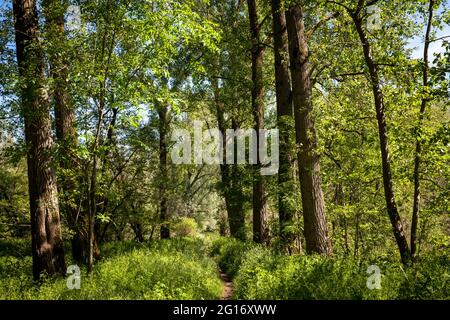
374,78
66,132
315,224
260,223
418,151
230,184
285,125
163,150
47,245
227,72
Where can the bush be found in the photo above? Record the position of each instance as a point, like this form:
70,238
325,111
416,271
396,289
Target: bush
185,227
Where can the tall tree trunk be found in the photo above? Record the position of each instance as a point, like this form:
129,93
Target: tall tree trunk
47,245
315,224
237,221
162,127
65,130
230,179
260,223
91,179
416,202
394,216
286,185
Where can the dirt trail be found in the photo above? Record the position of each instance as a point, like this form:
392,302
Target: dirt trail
227,292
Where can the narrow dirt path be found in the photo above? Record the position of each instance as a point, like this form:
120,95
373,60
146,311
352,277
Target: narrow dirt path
227,292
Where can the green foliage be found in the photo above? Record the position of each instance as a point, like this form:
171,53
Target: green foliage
229,254
260,273
169,269
185,227
429,279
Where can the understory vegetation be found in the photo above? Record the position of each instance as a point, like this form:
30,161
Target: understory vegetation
187,268
168,269
262,273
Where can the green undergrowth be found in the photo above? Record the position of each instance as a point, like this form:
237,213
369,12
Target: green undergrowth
168,269
186,268
261,273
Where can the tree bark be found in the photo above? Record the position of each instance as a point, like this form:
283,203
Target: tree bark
162,127
66,133
47,245
260,214
394,216
418,151
315,224
286,186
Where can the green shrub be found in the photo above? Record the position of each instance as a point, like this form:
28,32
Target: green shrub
185,227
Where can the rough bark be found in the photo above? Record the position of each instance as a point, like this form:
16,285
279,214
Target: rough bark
47,245
391,206
286,185
260,214
315,224
418,151
66,134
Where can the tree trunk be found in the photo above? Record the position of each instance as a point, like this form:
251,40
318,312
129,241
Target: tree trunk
260,223
47,245
230,179
137,229
91,179
162,127
394,216
65,130
286,185
315,224
416,202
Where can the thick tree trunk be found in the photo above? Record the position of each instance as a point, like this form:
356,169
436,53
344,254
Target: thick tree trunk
418,151
65,130
315,225
286,184
47,245
260,223
162,114
394,216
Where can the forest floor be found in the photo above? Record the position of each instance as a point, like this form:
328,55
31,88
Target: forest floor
227,292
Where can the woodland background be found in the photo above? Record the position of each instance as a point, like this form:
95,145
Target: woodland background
91,91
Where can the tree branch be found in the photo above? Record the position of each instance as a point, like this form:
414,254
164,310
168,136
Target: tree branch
311,31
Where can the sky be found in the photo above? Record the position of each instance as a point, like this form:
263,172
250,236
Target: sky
417,44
